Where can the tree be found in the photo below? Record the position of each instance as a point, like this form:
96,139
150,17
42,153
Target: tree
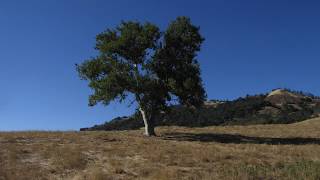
156,68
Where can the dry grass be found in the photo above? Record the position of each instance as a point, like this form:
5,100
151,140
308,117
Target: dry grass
232,152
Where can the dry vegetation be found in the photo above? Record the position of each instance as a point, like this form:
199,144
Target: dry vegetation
232,152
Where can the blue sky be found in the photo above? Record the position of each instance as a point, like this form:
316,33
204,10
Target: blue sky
251,47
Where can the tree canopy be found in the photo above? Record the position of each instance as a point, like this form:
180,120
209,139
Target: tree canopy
155,67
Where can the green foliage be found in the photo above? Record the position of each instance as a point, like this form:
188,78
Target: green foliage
155,67
176,62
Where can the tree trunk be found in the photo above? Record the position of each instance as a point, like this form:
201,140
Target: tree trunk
148,123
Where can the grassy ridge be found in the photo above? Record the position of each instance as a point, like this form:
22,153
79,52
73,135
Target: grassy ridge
280,106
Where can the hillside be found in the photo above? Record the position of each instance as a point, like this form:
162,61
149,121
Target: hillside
278,151
280,106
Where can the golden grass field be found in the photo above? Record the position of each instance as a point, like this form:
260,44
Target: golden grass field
230,152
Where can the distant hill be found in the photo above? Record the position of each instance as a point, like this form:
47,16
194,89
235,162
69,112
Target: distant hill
280,106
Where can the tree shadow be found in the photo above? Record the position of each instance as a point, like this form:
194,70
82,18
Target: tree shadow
239,139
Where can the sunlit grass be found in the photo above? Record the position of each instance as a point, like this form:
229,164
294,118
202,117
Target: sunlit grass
230,152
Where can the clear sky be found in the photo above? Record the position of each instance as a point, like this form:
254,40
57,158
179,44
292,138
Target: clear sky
251,47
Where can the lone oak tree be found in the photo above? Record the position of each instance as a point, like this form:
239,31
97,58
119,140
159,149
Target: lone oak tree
155,67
